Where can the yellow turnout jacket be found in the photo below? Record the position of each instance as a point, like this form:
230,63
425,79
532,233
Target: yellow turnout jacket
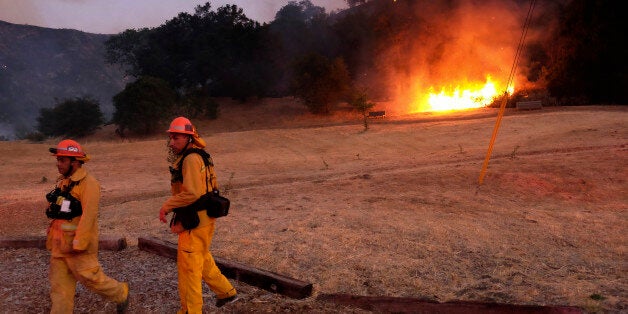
80,233
195,174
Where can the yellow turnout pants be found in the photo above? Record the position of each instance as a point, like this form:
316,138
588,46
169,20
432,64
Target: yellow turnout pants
84,268
195,263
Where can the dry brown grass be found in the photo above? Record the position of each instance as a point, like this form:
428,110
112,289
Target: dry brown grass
393,211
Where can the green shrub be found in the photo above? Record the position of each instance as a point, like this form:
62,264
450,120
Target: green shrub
71,118
35,137
144,106
320,82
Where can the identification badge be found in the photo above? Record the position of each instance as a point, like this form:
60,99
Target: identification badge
65,206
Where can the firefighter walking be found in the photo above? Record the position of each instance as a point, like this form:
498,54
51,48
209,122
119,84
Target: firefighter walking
190,179
72,237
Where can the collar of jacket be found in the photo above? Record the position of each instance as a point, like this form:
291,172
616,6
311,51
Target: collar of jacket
78,175
176,161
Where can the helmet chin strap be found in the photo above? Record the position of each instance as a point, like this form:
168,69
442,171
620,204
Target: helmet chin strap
186,145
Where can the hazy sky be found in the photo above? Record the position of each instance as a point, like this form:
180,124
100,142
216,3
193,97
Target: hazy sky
114,16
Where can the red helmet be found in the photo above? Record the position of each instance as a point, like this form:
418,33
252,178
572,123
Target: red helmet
69,148
181,125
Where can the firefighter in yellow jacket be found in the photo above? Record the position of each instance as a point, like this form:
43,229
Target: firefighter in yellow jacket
190,179
73,234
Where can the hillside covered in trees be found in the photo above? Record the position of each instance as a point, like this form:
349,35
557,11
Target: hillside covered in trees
39,65
389,50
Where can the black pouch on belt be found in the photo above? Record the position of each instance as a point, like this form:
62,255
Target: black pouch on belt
186,216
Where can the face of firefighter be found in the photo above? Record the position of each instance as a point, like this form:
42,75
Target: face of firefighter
66,165
177,142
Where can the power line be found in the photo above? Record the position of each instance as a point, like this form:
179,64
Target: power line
502,107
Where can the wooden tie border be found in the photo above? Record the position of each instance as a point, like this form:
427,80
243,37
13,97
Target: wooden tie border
298,289
266,280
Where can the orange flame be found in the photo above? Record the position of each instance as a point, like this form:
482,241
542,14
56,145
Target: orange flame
472,95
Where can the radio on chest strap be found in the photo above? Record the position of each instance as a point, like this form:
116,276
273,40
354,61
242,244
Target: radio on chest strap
176,173
61,203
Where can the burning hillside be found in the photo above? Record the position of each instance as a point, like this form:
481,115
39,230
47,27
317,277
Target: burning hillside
453,57
468,96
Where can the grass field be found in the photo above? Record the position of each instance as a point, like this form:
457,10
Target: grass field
392,211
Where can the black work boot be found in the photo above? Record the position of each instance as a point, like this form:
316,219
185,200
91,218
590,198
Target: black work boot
122,306
222,302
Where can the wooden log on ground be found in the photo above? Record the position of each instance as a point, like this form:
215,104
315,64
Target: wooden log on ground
266,280
415,305
24,242
377,114
529,105
158,247
112,243
105,243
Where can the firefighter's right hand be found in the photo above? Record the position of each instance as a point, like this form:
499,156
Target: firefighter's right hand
162,215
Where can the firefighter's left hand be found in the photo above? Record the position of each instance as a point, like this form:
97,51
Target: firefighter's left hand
162,215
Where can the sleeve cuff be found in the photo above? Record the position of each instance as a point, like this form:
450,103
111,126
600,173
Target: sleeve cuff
76,244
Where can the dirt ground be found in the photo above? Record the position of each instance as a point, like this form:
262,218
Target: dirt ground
392,211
